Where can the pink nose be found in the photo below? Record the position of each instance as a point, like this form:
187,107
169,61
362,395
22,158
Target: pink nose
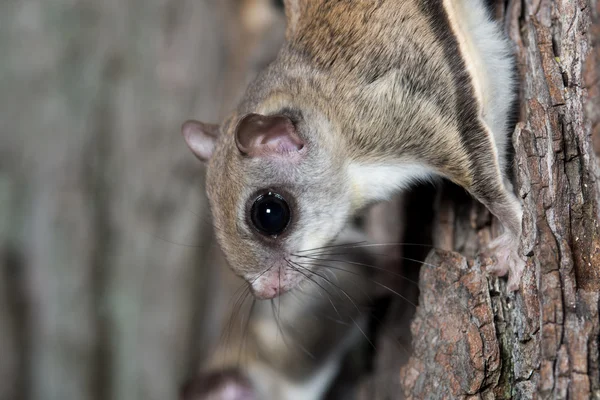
273,283
267,292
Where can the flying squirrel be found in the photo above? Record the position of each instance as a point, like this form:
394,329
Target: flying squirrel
364,98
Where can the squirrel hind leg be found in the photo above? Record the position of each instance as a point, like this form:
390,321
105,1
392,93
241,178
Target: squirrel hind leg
503,203
505,249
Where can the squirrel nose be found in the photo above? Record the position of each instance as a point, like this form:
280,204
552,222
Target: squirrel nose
270,284
265,292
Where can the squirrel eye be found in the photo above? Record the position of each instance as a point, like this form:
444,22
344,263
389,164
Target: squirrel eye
270,214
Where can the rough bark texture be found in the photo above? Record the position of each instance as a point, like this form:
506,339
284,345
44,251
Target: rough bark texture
472,339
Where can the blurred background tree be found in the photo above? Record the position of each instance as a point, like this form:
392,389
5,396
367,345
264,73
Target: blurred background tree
106,271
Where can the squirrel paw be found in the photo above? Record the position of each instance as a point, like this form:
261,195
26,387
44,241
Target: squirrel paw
505,249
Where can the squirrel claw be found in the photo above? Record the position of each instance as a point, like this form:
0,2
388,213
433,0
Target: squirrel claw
505,248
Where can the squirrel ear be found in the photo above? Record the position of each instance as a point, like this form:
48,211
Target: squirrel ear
200,138
292,15
261,135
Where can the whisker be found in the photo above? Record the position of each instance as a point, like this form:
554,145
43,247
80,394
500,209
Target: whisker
245,331
353,281
371,280
362,265
310,294
360,245
349,298
240,297
316,283
420,262
330,283
305,350
372,315
401,257
279,295
235,299
330,301
320,314
261,274
279,327
333,246
298,342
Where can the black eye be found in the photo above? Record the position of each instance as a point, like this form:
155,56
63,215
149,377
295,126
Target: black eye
270,214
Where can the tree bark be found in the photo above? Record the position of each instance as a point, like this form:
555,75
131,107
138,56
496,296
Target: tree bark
472,338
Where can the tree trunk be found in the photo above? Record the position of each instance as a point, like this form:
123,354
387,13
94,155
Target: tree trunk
471,338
